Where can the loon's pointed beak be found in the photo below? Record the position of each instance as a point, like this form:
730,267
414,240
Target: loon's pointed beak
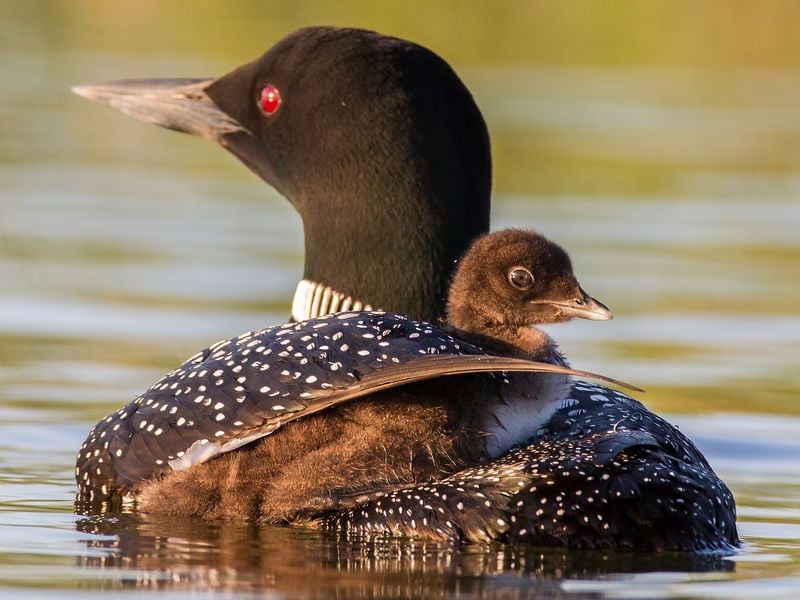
585,307
178,104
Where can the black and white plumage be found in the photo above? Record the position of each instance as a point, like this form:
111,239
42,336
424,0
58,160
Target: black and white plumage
244,388
594,468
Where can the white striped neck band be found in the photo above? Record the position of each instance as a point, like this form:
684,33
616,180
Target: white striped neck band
312,300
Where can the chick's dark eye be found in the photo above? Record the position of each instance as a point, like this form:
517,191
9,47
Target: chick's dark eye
520,278
270,100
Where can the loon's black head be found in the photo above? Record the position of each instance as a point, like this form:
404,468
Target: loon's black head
374,140
517,278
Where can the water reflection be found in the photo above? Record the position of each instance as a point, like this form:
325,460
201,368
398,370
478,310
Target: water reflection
187,554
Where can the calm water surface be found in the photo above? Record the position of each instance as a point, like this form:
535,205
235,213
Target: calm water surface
123,249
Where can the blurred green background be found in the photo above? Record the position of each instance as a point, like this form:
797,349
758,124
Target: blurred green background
582,96
658,141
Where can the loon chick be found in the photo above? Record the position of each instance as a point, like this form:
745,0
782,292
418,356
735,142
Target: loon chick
368,136
417,164
240,391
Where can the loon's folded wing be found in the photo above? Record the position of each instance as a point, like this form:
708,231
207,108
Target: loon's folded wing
242,389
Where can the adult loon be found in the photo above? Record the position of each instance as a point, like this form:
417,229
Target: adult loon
384,154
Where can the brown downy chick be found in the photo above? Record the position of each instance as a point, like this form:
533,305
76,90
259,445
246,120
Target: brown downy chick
511,281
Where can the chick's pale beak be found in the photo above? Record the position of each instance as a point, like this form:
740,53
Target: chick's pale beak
179,104
593,310
584,307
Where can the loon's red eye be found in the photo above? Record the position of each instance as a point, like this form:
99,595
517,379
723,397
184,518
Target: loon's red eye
270,100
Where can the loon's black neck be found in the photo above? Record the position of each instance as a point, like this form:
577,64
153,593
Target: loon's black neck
387,215
382,259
